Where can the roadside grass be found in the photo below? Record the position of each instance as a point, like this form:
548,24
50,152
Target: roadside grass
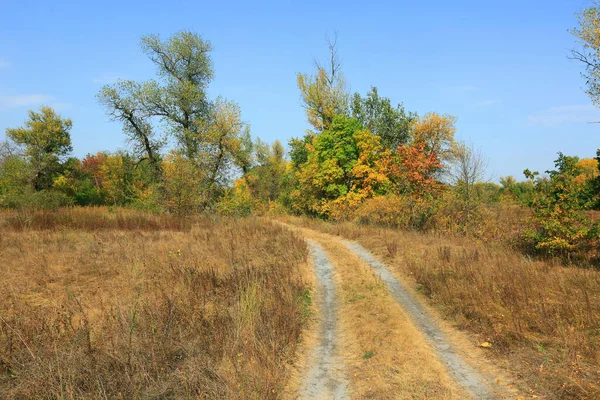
385,354
91,219
541,319
125,305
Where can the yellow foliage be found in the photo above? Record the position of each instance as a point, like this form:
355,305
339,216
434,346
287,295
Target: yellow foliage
436,133
238,201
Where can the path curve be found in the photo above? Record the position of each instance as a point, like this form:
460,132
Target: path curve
464,374
326,378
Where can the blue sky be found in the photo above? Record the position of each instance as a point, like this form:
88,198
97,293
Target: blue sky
500,67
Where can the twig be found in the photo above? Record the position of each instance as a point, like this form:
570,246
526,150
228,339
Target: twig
20,337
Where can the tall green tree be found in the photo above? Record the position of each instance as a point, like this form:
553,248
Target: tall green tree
208,133
376,113
46,140
178,99
123,103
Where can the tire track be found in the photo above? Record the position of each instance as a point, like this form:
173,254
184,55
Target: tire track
325,380
463,373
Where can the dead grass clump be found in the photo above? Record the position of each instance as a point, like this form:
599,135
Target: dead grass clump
543,317
211,313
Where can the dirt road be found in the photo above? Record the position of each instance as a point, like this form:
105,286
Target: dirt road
325,379
376,339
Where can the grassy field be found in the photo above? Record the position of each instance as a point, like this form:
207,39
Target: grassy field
541,319
106,304
103,303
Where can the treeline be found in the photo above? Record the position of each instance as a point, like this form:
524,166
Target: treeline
364,159
183,146
369,161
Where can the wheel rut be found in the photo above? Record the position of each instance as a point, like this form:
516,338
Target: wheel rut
465,375
375,339
325,379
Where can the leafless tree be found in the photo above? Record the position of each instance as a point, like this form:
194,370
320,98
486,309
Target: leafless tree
468,169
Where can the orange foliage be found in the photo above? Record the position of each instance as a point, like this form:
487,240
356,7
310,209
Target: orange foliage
414,171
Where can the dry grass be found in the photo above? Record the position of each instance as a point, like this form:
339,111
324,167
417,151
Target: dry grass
214,311
385,354
91,219
543,320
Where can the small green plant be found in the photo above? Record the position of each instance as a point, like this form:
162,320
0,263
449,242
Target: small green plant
305,301
368,354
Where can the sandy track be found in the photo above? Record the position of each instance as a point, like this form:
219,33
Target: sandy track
325,379
465,375
375,339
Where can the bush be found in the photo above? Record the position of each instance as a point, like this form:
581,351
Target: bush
412,213
29,199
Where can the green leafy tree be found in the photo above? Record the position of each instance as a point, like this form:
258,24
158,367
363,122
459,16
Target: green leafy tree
521,191
16,176
377,114
208,133
560,227
46,140
298,149
75,183
123,103
344,167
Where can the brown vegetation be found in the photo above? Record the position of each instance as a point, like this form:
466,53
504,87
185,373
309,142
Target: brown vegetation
127,306
91,219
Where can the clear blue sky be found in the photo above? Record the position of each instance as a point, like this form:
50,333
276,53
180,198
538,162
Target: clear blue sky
500,68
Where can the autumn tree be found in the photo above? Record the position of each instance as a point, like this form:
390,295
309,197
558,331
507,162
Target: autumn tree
265,179
324,94
416,167
182,184
208,133
46,140
588,34
468,169
377,114
560,227
344,167
120,178
413,171
225,143
435,133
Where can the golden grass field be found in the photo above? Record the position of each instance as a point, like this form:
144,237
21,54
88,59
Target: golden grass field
116,304
109,303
